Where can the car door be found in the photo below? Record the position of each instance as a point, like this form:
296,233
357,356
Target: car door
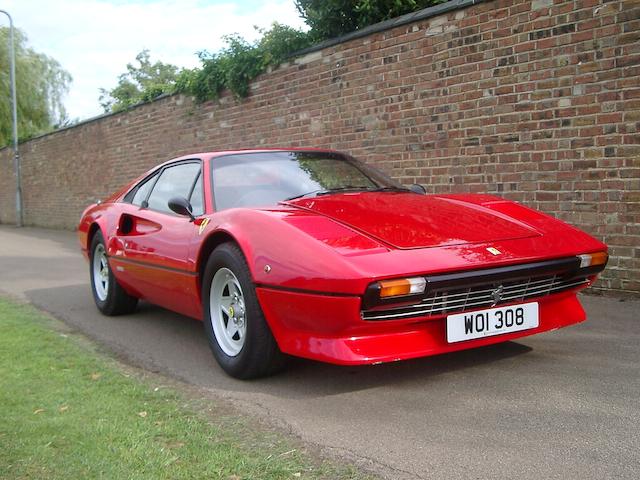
155,241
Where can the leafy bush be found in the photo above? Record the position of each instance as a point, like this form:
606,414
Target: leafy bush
239,62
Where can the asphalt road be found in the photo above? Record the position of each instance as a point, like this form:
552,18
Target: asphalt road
564,404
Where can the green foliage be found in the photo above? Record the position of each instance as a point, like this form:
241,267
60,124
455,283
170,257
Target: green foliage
141,83
332,18
40,85
239,62
205,83
374,11
280,41
231,68
328,18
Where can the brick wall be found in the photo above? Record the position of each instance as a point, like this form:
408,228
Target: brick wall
537,101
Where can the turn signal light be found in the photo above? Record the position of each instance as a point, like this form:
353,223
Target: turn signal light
401,287
593,259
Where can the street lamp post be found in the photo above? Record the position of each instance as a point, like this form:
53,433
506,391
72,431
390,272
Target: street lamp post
14,103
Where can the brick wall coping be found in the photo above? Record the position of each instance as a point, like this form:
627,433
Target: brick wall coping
391,23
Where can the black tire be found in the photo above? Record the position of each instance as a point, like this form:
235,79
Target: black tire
114,301
259,354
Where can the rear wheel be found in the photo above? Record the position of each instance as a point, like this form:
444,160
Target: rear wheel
109,296
238,334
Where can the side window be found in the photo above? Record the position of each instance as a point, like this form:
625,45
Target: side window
196,198
173,182
143,190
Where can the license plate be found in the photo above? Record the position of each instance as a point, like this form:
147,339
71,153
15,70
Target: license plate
492,321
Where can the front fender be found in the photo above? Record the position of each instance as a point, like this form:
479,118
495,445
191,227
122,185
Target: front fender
283,254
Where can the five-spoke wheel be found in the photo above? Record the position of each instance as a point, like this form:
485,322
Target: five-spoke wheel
238,334
110,297
228,312
100,272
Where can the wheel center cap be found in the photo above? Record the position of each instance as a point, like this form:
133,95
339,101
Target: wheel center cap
232,311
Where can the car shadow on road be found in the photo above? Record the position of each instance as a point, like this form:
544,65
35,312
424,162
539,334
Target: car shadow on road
165,342
335,377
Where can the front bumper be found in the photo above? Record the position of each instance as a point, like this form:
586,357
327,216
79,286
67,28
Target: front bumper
331,329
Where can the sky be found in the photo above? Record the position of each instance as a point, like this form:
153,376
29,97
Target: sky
95,39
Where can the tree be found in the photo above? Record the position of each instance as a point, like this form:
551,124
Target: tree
332,18
41,83
142,82
328,18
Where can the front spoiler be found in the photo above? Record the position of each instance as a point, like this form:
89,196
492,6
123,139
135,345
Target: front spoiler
330,329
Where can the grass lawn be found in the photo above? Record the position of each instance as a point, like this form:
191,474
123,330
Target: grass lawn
68,412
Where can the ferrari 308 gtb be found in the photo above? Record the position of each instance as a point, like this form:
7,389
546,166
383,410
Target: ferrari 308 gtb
314,254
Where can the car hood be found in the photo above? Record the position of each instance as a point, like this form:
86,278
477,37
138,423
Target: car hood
408,220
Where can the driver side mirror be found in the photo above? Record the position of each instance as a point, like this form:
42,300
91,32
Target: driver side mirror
181,206
417,188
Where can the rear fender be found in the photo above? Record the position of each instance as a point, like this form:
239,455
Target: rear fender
92,220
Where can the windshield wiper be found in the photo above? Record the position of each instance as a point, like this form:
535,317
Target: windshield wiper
389,189
327,191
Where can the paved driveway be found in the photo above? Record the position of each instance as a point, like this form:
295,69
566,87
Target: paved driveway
564,404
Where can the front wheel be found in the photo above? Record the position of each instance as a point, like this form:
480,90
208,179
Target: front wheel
109,296
238,334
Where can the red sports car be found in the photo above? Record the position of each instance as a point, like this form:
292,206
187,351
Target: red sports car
314,254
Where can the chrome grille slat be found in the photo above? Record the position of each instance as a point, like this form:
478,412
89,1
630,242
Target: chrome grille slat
464,293
463,299
489,290
546,289
526,286
527,290
445,301
559,287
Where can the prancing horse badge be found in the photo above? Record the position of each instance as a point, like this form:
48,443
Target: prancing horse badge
203,225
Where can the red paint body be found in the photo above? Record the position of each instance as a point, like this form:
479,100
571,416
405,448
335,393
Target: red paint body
325,251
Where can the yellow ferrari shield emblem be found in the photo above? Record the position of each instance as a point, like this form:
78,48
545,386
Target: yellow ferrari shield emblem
203,225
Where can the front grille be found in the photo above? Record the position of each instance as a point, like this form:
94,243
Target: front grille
458,300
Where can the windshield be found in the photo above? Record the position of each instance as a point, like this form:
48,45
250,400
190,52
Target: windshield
266,178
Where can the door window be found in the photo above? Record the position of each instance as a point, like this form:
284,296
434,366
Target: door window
142,191
175,181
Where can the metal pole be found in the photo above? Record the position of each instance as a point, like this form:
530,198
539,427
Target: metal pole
14,103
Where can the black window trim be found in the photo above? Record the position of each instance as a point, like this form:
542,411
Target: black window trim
128,197
157,173
193,187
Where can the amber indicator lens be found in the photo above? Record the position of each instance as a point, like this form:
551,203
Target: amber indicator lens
401,287
593,259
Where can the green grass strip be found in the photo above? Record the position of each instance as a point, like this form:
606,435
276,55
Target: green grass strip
67,412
